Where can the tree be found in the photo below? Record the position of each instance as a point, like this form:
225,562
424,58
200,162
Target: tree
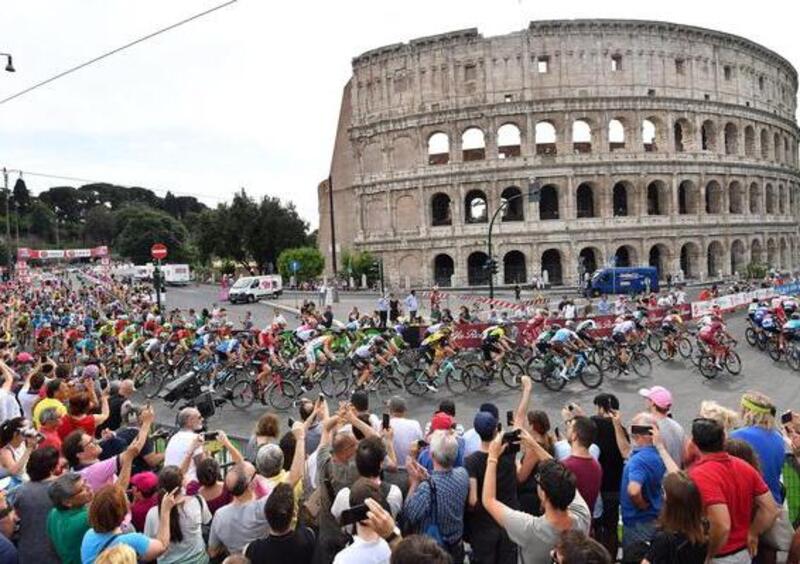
64,200
137,228
42,220
311,263
21,195
99,227
358,263
277,227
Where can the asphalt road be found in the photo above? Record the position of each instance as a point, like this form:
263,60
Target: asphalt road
688,387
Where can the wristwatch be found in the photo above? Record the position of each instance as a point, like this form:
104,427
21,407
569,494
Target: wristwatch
393,535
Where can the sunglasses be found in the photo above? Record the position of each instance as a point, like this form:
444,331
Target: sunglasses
6,511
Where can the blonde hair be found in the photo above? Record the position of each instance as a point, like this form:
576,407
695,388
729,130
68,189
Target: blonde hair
757,410
119,554
728,418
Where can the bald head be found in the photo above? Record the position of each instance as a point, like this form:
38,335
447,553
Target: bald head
126,388
344,445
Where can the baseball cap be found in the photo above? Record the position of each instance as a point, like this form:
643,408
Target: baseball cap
442,421
24,358
145,482
491,408
485,425
659,395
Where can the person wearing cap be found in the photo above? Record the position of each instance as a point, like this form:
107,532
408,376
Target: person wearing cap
442,421
472,440
489,541
659,403
144,487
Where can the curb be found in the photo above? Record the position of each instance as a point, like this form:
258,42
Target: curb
282,307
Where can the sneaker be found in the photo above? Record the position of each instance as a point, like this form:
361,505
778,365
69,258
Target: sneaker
431,388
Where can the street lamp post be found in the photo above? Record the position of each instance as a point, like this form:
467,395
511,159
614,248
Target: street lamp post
9,62
8,224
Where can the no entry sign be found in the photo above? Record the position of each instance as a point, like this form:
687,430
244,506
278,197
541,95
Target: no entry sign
158,251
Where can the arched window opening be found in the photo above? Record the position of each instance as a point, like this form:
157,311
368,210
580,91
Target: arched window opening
658,258
687,198
708,136
756,252
656,198
438,149
473,145
616,135
588,260
514,271
443,269
509,141
513,211
690,257
581,136
649,136
731,139
551,267
585,201
477,271
770,199
545,138
620,197
756,204
714,258
441,210
764,144
749,141
776,144
738,257
713,198
735,198
548,202
475,207
625,256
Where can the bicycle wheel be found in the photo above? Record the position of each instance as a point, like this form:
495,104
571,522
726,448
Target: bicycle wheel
242,394
511,374
793,357
663,354
334,382
707,367
733,363
458,380
751,336
553,380
534,367
478,376
774,351
415,382
591,375
640,364
281,394
654,342
685,347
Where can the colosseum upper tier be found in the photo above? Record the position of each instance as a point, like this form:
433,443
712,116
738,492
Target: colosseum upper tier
595,141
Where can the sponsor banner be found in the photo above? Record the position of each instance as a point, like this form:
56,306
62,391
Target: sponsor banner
24,253
732,302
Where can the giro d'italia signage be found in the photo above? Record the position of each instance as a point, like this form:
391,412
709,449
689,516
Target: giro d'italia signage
25,254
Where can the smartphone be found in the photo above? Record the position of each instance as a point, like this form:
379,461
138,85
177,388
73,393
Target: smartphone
385,422
210,436
641,430
291,423
510,418
353,515
421,444
511,438
786,417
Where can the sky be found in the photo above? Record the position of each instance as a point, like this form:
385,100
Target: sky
249,95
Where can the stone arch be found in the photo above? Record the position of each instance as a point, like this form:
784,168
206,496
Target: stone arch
714,259
441,209
653,135
750,141
682,135
376,215
551,263
713,198
545,138
626,255
438,148
410,265
473,144
515,209
731,139
764,144
771,200
782,199
735,197
756,199
623,197
476,207
690,260
372,158
708,136
406,214
548,202
509,141
616,134
657,198
443,269
477,273
772,253
585,201
786,261
688,198
756,252
738,257
581,136
777,148
590,258
514,270
404,153
659,258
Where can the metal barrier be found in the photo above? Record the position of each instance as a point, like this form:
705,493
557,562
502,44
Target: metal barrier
791,482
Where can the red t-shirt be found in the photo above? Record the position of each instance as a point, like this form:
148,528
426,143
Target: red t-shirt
139,509
69,424
51,438
722,478
588,477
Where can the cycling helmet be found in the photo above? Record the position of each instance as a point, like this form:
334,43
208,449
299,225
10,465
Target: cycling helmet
587,325
554,326
570,325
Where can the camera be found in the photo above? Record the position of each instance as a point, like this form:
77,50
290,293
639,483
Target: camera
511,438
29,433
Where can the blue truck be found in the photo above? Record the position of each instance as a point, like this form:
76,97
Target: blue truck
623,280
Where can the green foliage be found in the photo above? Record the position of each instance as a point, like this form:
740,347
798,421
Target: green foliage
756,270
356,263
100,225
42,220
21,196
227,267
311,262
4,254
137,228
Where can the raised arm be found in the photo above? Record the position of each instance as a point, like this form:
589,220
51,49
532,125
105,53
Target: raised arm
623,444
493,506
522,407
297,470
236,456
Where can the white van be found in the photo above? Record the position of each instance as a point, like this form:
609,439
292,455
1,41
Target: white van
252,288
177,274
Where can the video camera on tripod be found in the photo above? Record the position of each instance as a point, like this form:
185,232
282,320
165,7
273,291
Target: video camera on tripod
189,389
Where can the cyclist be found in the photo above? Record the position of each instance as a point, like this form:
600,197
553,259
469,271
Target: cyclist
771,325
584,329
565,343
365,355
671,325
623,334
435,348
317,348
791,329
710,336
542,342
495,343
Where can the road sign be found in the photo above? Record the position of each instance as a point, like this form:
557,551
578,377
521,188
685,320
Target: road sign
158,251
295,264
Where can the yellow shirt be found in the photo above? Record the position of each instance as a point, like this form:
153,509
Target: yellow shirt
45,404
283,478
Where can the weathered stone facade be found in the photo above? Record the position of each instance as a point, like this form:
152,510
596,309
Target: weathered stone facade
652,142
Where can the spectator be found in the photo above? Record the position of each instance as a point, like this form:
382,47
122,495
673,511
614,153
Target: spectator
439,498
368,545
9,408
186,543
640,490
78,413
267,431
412,305
17,442
442,421
405,433
306,409
32,504
659,403
681,536
106,514
29,394
490,543
360,400
56,392
394,308
415,549
120,554
737,502
242,521
588,473
148,459
120,392
564,508
284,542
574,547
145,496
472,441
184,442
69,519
8,522
269,462
383,311
209,485
49,421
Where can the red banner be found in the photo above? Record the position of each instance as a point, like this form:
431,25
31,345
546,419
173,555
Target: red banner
24,253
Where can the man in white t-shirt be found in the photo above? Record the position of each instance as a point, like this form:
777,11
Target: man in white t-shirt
406,431
181,443
368,546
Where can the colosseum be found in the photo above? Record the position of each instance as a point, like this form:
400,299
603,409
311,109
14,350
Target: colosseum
594,141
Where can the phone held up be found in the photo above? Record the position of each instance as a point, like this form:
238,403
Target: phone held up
385,422
353,515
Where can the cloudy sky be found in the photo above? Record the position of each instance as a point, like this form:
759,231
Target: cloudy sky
248,96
